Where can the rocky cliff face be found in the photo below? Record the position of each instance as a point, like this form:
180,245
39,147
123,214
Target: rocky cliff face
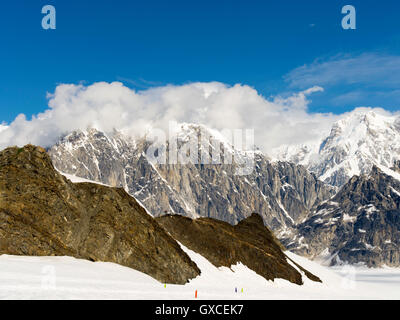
248,242
281,192
359,224
44,214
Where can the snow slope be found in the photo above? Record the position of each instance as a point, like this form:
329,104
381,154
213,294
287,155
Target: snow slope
390,172
69,278
75,179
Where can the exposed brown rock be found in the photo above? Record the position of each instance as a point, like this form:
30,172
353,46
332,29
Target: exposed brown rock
248,242
44,214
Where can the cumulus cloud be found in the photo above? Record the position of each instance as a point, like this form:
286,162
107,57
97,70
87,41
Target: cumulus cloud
109,106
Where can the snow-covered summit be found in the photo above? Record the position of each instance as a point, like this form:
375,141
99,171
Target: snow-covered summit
357,142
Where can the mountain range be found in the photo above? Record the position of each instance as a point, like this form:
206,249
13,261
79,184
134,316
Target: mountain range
281,192
42,213
289,194
314,198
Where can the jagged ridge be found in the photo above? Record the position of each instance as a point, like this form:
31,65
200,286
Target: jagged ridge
248,242
359,224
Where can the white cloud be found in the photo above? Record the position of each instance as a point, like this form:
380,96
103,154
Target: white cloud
368,69
109,106
2,127
352,80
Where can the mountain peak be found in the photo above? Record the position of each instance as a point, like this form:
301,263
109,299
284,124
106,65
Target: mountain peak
254,218
28,157
356,143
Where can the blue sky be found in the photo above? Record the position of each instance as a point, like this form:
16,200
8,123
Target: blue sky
277,47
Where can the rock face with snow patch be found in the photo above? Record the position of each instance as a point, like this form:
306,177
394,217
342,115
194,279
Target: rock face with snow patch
248,242
44,214
281,192
359,224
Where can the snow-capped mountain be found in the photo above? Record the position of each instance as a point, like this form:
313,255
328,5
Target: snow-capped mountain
302,211
354,145
282,193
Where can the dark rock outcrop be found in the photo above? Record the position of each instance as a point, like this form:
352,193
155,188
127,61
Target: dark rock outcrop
396,166
44,214
248,242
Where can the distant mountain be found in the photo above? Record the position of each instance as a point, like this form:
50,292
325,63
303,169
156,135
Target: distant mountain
355,144
282,193
361,223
